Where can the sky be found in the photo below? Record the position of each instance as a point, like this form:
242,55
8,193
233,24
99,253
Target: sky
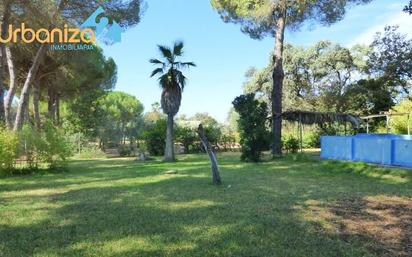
222,52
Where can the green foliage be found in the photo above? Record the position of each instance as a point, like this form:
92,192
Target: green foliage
32,146
90,152
317,78
291,144
391,60
8,149
187,137
49,146
124,150
252,126
368,96
56,147
257,18
399,123
155,137
312,140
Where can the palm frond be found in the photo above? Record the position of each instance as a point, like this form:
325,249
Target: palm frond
181,79
156,61
164,81
156,71
178,48
166,52
184,64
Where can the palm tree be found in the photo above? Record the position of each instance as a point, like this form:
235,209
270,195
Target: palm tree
172,81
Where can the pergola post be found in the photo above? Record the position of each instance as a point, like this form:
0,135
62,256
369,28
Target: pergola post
387,123
367,126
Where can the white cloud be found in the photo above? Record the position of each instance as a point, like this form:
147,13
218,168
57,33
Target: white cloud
403,20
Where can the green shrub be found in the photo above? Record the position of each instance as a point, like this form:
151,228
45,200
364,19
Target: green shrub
57,147
252,126
48,146
8,150
187,137
312,140
90,152
124,150
291,144
155,138
31,146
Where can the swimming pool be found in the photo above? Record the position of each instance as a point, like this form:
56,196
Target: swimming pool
384,149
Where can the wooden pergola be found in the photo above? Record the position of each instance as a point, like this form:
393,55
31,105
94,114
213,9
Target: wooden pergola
311,118
387,115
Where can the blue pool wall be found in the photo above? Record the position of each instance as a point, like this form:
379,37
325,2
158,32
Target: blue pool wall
384,149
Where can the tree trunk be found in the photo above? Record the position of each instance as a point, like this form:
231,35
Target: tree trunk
169,149
36,101
51,105
3,25
12,87
57,109
2,89
24,96
215,166
278,75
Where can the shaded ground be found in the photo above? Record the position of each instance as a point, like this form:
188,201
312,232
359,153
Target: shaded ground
294,206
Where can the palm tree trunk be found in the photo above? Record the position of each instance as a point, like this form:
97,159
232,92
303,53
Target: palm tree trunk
278,76
36,100
169,149
24,96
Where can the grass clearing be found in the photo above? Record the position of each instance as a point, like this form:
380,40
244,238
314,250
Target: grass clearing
294,206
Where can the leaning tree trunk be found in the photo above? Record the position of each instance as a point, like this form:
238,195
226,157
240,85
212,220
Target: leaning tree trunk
12,87
2,90
24,96
36,101
169,149
208,148
278,75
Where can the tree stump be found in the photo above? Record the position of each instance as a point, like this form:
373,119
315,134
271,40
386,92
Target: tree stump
212,156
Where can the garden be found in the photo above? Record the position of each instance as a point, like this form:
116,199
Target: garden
104,152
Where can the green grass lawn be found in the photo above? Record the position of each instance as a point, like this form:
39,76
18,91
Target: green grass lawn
288,207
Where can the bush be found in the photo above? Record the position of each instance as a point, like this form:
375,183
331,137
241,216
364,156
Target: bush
312,140
31,146
155,138
291,144
90,152
8,150
187,137
252,126
49,146
57,147
124,150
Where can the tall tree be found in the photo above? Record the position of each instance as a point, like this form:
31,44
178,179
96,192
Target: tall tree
391,60
270,18
172,81
53,13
